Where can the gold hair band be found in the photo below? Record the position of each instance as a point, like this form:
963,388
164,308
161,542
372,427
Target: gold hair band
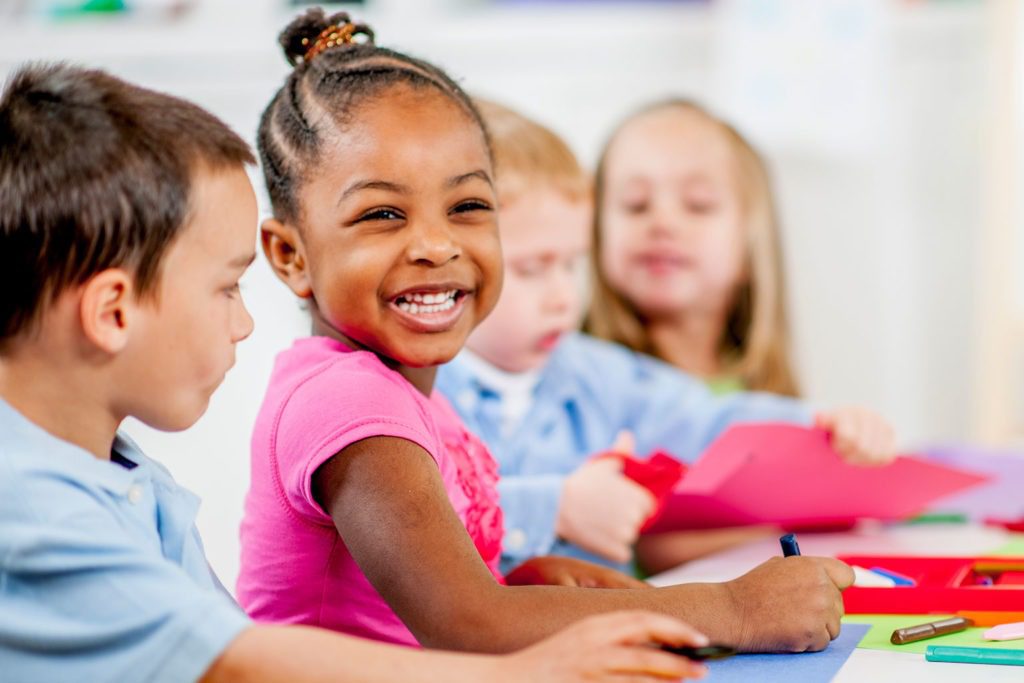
332,36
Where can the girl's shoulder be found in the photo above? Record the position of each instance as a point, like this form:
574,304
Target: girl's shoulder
322,377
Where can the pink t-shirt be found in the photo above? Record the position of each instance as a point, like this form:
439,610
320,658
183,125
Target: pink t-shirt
323,397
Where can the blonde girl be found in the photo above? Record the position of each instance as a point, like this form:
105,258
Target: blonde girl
687,256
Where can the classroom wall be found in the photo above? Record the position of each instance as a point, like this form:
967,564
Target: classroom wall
870,111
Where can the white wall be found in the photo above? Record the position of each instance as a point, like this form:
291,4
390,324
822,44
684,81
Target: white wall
880,209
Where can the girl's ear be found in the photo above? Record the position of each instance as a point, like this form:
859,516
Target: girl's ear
106,309
286,254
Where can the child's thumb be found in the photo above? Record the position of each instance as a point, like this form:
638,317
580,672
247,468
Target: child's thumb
625,442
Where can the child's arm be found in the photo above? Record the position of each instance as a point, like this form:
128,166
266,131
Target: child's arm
669,409
656,553
604,648
387,501
552,570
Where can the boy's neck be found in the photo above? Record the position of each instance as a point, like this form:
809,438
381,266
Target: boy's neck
690,342
492,373
59,400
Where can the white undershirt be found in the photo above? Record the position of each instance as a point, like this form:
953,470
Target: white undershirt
514,389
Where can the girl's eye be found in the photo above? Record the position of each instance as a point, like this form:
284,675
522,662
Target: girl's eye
383,214
472,205
233,290
701,208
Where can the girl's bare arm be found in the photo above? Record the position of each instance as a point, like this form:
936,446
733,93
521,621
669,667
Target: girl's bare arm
387,501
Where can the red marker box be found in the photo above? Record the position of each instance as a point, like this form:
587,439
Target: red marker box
943,585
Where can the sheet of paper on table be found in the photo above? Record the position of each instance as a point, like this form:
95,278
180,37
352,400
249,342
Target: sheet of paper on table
806,667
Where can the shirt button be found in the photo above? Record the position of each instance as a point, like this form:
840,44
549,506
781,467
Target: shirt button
515,539
135,494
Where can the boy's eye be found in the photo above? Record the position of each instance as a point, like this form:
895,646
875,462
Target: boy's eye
531,269
382,214
233,290
576,263
635,207
471,205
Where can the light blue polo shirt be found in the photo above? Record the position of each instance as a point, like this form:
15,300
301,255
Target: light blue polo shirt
587,392
102,571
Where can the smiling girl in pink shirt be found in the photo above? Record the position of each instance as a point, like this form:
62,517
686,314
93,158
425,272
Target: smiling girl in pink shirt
372,509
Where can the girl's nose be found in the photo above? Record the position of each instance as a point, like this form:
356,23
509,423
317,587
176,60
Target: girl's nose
665,219
433,244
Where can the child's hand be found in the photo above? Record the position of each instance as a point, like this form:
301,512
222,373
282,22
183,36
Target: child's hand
602,510
566,571
790,604
609,647
861,436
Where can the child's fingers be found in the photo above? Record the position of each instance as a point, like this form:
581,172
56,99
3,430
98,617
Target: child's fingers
875,450
638,500
874,440
838,571
636,627
624,442
847,434
884,443
617,546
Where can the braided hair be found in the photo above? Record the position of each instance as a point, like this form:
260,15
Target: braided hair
330,79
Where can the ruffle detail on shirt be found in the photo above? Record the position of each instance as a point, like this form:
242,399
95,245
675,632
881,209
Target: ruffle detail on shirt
477,474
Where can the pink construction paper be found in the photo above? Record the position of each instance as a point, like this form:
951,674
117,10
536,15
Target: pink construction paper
791,476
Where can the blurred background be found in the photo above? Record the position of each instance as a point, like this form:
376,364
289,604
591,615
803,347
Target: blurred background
893,128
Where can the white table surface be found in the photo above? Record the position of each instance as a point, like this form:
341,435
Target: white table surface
874,666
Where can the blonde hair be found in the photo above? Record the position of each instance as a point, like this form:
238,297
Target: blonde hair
755,342
528,156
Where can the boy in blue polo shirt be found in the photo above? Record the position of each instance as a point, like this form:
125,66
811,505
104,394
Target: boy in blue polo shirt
126,221
546,399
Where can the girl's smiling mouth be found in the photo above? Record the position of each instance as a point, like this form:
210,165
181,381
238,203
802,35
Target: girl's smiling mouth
430,308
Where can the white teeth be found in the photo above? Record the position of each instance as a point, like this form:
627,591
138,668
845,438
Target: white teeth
425,304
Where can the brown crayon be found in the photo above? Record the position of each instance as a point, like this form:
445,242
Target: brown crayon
912,634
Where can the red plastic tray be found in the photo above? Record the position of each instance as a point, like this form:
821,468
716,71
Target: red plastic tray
944,585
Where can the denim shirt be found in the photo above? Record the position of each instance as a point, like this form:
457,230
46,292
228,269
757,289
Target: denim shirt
590,390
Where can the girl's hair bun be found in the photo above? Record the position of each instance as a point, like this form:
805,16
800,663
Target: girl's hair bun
302,34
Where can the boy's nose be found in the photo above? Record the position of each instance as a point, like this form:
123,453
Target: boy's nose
244,324
562,292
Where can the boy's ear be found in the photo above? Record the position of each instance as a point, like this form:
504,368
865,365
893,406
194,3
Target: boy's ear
284,250
105,308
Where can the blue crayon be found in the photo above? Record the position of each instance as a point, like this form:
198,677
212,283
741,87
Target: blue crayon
789,545
898,579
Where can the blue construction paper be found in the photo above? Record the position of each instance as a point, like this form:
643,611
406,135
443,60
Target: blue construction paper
807,667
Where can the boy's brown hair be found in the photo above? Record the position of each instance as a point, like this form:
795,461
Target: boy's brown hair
95,173
528,155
